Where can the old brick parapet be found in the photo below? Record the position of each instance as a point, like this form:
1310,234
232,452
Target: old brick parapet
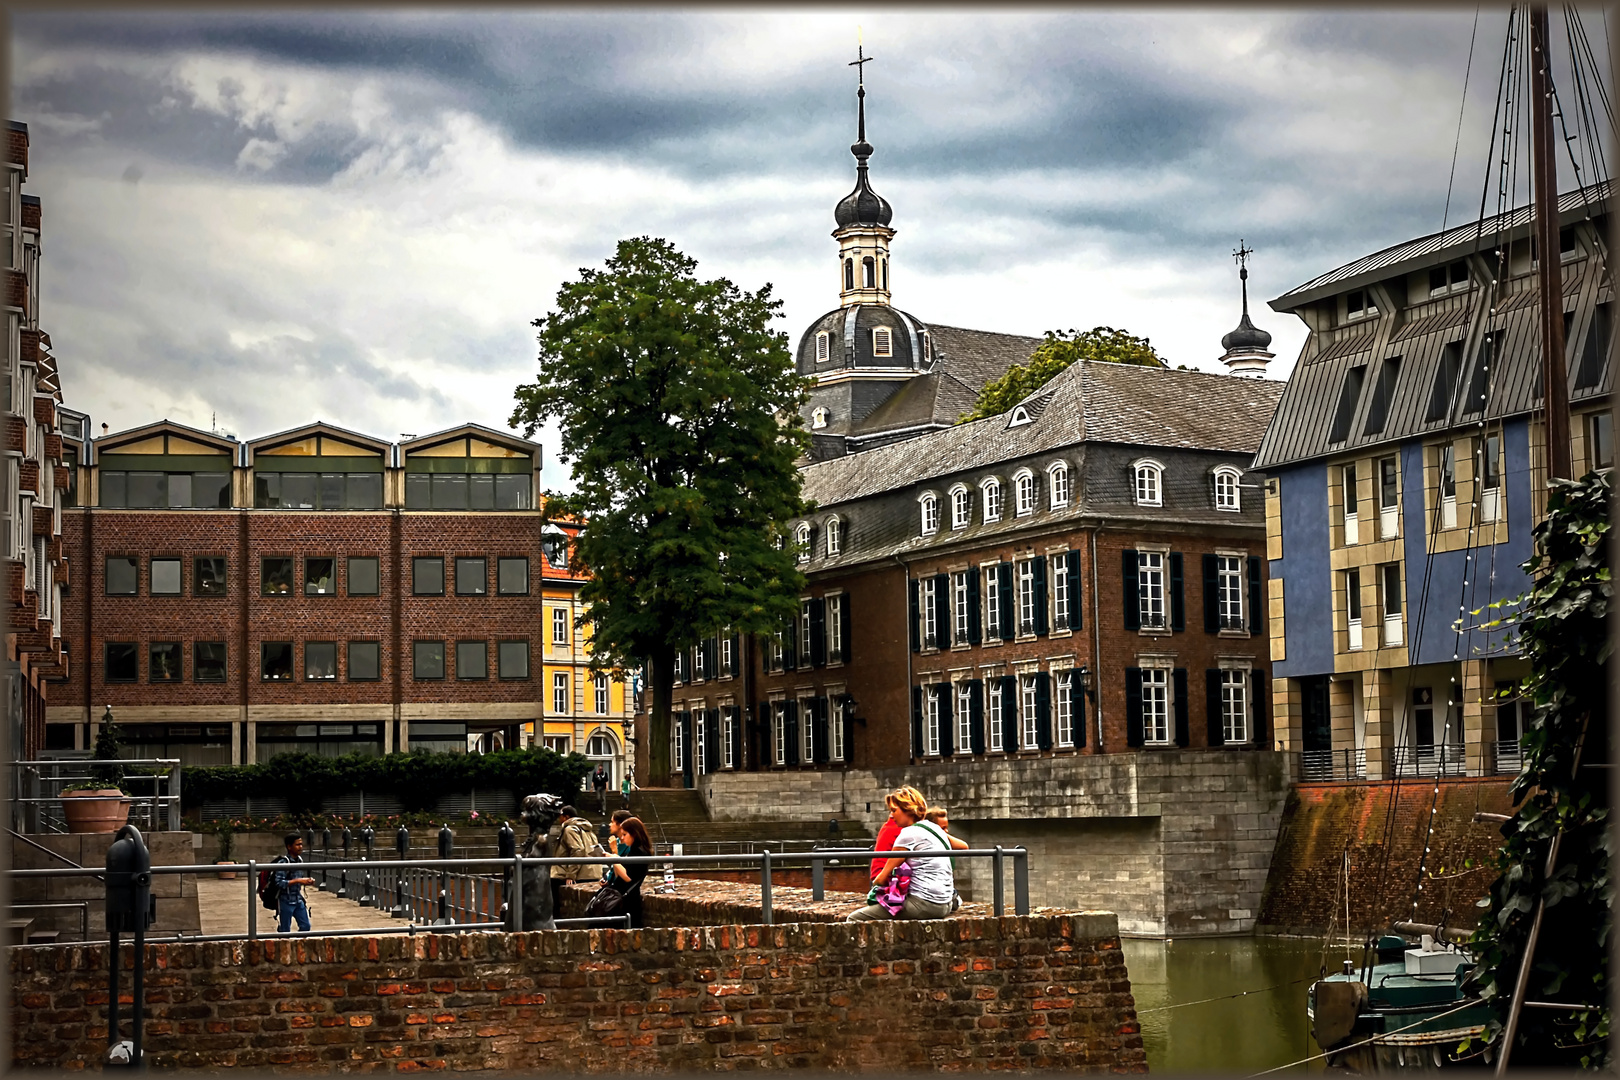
1046,992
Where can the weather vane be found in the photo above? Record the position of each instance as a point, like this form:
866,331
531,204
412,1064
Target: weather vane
1241,254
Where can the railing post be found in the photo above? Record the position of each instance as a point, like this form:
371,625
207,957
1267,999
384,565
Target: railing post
174,798
998,884
343,875
516,903
1021,881
817,878
765,885
253,899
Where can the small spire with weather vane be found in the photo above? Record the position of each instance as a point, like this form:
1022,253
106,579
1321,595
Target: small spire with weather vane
1246,346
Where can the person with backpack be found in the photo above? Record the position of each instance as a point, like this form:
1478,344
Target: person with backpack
576,837
283,893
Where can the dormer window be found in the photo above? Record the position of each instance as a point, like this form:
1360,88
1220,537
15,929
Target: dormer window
1359,305
1149,483
1058,484
801,536
868,273
1450,278
928,346
835,536
991,487
1023,493
930,513
1020,416
823,347
961,507
1226,489
818,417
882,342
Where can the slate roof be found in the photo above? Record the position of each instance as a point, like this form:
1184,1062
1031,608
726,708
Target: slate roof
1089,402
964,361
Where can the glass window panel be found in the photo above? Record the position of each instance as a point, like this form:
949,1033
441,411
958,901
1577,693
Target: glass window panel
267,490
123,576
428,659
298,491
164,662
513,491
211,491
276,576
148,491
364,491
427,575
123,661
472,577
320,660
114,489
209,575
438,737
320,576
364,575
332,491
472,660
418,491
179,490
513,576
449,491
481,492
365,661
208,661
275,660
165,577
514,659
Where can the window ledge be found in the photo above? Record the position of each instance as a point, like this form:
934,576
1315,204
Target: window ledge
962,646
1230,633
1155,632
1061,633
992,643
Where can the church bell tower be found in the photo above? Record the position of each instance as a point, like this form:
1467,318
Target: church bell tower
863,216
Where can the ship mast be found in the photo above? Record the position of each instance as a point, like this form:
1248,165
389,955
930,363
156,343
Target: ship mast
1555,382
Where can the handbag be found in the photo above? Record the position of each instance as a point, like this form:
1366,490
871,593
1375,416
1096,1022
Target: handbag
607,903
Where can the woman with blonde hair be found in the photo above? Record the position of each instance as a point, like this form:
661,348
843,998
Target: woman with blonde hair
923,888
907,798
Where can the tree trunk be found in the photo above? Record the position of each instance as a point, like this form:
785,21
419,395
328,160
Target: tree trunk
661,670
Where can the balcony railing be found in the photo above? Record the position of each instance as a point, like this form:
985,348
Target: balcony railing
1445,759
1325,765
1509,757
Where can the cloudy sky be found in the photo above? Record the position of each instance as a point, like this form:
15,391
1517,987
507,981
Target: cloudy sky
279,217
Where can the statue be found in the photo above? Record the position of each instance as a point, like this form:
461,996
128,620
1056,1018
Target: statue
540,814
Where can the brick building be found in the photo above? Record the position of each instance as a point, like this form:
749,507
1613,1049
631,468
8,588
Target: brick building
314,590
35,479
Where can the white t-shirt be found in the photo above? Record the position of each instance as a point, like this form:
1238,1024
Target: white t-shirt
931,879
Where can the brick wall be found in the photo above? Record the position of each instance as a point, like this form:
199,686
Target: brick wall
1304,891
1036,992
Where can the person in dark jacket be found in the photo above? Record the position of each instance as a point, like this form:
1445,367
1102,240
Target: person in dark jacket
628,877
290,904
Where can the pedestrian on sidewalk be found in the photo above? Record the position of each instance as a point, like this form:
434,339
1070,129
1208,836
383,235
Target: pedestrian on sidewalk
290,903
576,838
599,781
624,790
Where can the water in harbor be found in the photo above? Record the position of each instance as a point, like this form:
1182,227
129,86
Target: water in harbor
1184,1031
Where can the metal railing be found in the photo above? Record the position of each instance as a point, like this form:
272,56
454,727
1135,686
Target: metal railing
1509,756
1445,759
36,803
1327,765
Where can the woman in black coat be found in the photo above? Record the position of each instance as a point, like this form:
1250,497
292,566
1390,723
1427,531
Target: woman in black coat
627,877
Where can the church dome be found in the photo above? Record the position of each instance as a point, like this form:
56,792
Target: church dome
1247,336
863,206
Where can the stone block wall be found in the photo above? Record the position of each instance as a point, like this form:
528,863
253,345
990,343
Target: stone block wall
176,894
1177,842
960,994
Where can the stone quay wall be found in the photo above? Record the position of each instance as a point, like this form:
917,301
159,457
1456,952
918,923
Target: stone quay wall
1178,842
956,994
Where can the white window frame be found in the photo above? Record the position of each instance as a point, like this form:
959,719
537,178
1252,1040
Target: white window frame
600,685
823,346
1153,613
1158,705
1389,515
818,417
1023,493
1235,705
1148,487
835,628
779,731
960,628
801,538
559,626
1447,468
700,738
1228,496
1024,582
993,500
1349,485
928,605
677,745
807,734
1490,477
992,603
964,718
1229,592
804,631
1020,417
882,341
1061,614
835,731
1599,432
931,721
727,758
994,715
1057,485
928,504
1393,604
1063,708
835,536
1027,735
561,696
961,507
728,659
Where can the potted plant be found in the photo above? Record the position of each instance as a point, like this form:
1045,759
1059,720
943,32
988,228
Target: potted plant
99,804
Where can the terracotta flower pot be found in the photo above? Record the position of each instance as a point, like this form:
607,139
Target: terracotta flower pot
225,875
96,811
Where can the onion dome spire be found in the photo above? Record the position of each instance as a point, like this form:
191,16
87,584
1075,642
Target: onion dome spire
1246,346
863,206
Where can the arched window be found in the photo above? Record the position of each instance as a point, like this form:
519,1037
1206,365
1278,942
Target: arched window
961,507
868,273
1149,486
849,273
992,498
930,513
1226,489
1023,493
885,273
801,537
835,536
818,417
823,347
1058,484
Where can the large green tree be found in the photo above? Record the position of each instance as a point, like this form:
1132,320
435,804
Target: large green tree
1061,348
678,405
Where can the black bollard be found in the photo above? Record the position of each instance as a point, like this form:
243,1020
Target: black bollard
402,847
129,906
506,848
447,840
343,875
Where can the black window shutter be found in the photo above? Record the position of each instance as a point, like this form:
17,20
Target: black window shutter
762,725
916,617
1254,594
1133,601
916,722
1133,706
1178,605
944,615
947,719
790,731
712,742
687,747
818,632
1212,621
790,646
1077,707
975,623
1075,606
1004,596
1009,713
1212,706
1257,693
736,655
1043,603
1043,710
820,732
976,715
1181,706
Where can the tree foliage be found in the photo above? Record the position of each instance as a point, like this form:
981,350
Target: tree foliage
1053,355
677,405
1562,629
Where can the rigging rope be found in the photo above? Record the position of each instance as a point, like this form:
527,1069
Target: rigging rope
1224,997
1355,1046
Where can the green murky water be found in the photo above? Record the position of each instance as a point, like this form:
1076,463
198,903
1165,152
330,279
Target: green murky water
1183,1032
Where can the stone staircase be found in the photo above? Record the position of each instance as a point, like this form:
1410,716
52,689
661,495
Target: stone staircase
678,816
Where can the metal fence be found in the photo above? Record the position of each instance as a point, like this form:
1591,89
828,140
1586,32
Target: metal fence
1325,765
1444,759
153,786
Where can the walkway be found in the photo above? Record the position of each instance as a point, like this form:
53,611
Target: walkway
223,907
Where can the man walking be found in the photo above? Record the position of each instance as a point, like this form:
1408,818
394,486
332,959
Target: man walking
290,903
599,781
578,839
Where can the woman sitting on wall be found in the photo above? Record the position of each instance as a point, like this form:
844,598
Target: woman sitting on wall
912,888
907,798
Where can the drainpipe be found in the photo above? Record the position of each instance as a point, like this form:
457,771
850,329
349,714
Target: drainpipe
1096,634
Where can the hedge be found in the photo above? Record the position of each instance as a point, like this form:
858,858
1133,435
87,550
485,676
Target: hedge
416,779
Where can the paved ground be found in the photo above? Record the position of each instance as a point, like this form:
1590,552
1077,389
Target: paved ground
223,907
